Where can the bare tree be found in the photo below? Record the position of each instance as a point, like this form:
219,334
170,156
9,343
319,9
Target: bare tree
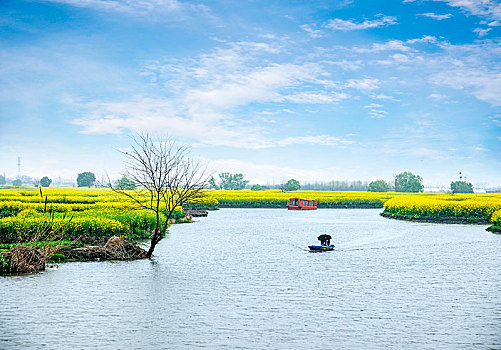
166,176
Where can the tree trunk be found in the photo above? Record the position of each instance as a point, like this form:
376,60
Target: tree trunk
152,248
154,240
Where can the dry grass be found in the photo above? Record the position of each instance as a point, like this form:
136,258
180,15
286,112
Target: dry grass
26,259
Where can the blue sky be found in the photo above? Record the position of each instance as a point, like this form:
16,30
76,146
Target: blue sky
320,90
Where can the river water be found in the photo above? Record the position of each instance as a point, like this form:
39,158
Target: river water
244,279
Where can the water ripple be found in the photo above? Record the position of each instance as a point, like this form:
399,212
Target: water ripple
244,279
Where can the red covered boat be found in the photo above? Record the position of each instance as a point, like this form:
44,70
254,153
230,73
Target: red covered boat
298,203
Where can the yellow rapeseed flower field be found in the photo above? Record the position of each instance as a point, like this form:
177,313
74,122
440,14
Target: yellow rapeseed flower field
88,212
471,207
101,212
278,199
496,218
468,206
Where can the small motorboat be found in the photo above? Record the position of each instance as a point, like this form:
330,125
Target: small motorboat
325,243
321,247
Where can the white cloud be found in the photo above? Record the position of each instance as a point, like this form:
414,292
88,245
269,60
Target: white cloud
323,140
483,84
481,32
400,58
373,105
384,97
438,97
377,113
150,8
366,84
256,46
314,33
316,97
212,89
213,128
396,45
480,148
435,16
429,39
482,8
345,64
143,114
260,85
349,25
392,45
496,120
206,94
419,136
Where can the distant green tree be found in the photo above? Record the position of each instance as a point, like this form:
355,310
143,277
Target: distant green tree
461,187
256,188
292,185
17,183
2,180
408,182
125,184
45,181
86,179
229,181
213,184
378,186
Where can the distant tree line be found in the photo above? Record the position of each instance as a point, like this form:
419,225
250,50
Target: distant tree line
409,182
228,181
379,186
461,187
403,182
125,184
86,179
335,185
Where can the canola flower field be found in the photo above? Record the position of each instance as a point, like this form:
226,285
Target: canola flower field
94,212
471,208
278,199
496,220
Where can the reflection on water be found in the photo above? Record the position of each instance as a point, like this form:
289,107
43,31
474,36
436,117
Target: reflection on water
244,279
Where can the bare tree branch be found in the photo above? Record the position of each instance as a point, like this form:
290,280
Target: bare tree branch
166,176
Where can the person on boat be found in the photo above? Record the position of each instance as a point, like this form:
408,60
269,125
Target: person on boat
325,239
328,240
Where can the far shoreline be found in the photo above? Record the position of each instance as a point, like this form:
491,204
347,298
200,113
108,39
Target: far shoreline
437,220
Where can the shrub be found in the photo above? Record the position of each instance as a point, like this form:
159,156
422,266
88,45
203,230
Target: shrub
378,186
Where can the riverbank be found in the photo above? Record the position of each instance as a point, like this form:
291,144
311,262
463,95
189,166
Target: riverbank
437,220
452,209
33,255
278,199
21,258
494,229
283,205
